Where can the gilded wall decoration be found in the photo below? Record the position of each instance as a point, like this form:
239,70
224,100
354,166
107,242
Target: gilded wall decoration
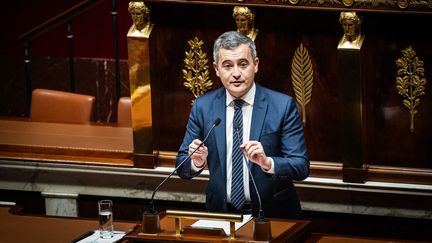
302,78
410,81
415,5
140,14
351,25
245,21
196,71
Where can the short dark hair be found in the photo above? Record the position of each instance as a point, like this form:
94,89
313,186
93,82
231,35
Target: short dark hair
230,40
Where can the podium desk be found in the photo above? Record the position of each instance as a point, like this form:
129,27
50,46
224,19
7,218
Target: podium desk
282,231
15,228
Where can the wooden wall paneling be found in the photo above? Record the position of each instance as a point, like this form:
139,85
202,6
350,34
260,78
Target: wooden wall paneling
389,140
281,33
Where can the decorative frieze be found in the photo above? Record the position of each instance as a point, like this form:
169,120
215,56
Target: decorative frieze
414,6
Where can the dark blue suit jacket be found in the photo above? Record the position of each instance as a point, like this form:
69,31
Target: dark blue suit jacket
276,124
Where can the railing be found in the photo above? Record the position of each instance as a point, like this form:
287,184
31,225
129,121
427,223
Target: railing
66,17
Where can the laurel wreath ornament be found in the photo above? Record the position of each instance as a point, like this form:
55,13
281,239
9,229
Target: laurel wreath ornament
196,71
410,81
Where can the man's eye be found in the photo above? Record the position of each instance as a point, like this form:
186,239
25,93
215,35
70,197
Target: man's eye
227,66
243,64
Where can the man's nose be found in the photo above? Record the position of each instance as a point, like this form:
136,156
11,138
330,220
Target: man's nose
236,72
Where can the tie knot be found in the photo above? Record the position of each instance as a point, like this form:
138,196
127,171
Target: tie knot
238,104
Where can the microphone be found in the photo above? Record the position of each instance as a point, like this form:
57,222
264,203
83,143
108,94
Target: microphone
151,204
245,159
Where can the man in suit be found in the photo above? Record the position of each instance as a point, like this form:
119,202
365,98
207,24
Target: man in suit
270,128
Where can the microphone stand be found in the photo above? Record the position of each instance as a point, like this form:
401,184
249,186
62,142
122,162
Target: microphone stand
262,229
151,221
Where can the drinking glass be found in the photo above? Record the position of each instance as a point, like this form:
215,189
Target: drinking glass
106,225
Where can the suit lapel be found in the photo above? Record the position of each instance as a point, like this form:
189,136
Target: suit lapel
258,113
219,109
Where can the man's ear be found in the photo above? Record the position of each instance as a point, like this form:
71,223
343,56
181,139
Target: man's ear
256,62
215,66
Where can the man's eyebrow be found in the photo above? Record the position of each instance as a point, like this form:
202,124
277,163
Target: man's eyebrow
239,60
243,60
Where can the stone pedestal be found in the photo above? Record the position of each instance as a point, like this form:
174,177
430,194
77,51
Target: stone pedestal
352,114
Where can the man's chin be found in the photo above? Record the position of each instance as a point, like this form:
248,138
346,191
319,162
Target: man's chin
237,91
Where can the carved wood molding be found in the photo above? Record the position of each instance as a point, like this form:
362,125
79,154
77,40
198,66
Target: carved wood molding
326,169
399,174
390,6
334,170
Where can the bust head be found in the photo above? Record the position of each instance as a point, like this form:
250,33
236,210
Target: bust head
351,25
244,18
140,14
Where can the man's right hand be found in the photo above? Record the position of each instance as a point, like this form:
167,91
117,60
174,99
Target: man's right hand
200,156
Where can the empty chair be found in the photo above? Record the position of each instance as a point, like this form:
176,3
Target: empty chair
124,112
61,107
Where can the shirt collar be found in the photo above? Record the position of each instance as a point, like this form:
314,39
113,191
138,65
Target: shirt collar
248,97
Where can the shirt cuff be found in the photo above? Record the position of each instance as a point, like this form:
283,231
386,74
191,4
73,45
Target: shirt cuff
271,170
195,168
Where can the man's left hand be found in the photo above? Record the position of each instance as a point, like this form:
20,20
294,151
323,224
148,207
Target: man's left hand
255,152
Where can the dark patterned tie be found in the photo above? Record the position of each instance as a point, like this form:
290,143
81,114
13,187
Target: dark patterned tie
237,188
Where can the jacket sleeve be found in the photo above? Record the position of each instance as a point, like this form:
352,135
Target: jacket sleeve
193,130
293,161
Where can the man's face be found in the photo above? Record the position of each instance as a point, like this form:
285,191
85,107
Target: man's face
236,69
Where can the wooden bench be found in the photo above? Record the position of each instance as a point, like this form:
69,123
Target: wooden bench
70,143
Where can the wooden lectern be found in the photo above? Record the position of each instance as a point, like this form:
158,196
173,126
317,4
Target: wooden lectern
176,227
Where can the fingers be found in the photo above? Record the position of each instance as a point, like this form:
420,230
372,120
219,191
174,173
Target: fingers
254,151
199,150
252,147
194,145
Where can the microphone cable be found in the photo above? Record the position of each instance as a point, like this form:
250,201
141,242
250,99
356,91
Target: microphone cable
245,159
